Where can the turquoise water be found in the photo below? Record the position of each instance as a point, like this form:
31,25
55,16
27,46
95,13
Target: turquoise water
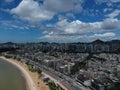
10,77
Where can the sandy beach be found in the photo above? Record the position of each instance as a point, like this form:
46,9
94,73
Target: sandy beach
32,79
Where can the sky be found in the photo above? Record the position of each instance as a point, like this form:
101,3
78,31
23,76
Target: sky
59,20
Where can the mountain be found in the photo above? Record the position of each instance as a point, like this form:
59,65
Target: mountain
98,41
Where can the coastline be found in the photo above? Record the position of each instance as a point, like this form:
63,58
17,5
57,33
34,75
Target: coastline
31,79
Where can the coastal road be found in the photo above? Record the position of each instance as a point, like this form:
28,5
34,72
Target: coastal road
62,79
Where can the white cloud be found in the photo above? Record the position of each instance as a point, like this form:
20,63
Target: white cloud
79,27
107,9
59,5
78,8
108,34
34,13
78,38
71,15
111,24
14,25
63,5
78,30
104,36
114,14
61,17
109,4
59,39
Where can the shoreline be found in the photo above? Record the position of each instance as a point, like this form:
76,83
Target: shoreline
31,79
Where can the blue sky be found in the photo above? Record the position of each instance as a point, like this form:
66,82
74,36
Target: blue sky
59,20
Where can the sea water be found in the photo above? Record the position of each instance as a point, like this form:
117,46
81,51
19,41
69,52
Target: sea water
11,77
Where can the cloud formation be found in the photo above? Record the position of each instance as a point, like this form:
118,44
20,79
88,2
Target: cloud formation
66,24
79,27
114,14
34,13
78,30
9,25
39,12
78,38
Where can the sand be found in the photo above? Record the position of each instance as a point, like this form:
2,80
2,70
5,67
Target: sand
32,79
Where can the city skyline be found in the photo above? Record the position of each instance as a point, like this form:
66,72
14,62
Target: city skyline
59,20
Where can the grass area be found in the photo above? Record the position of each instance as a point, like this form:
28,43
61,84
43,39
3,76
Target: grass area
54,86
31,68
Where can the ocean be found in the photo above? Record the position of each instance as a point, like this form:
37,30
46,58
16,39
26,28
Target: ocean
11,77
